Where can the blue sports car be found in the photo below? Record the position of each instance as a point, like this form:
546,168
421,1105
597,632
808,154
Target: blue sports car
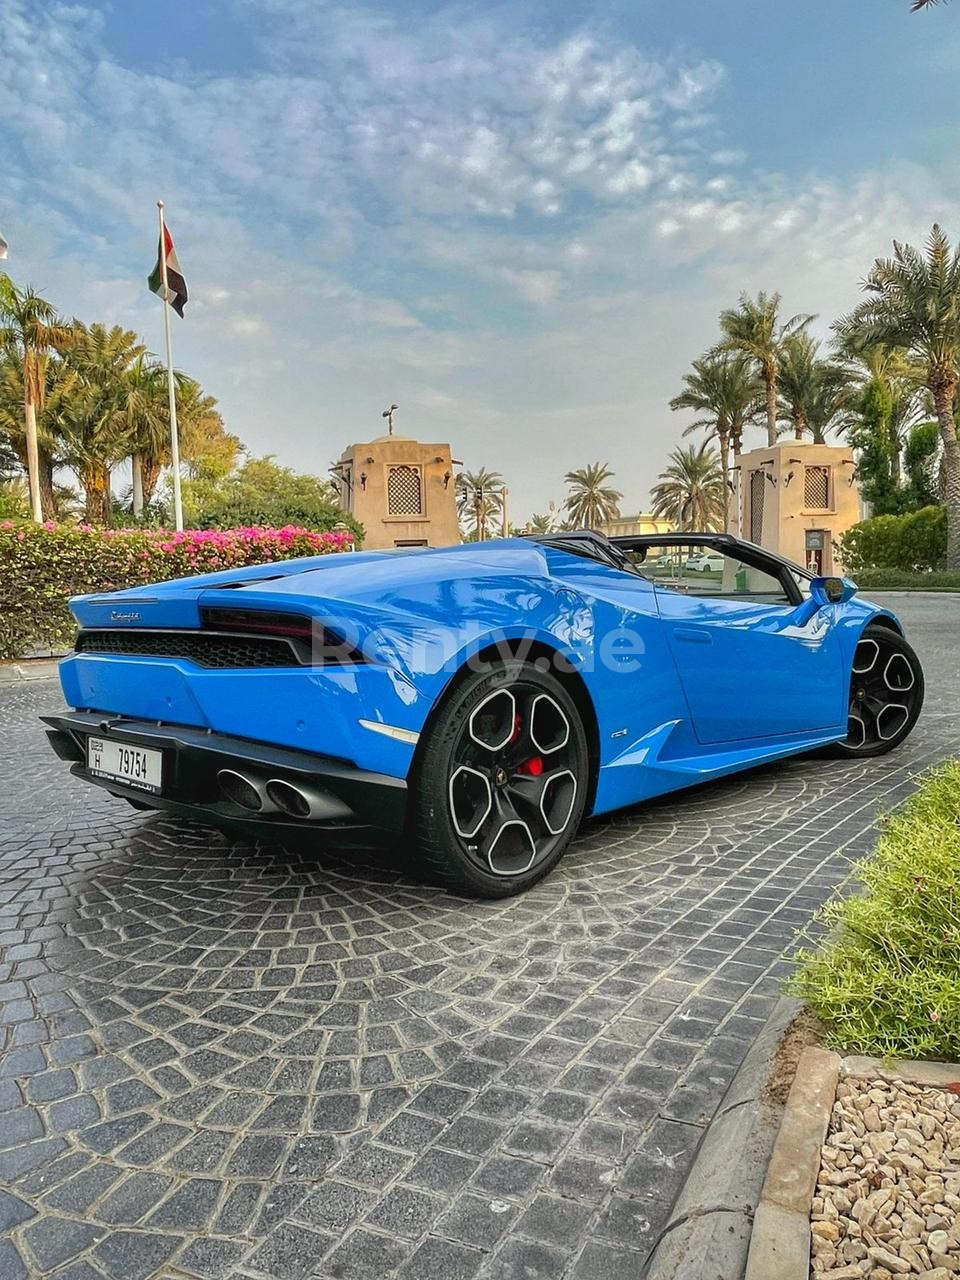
475,702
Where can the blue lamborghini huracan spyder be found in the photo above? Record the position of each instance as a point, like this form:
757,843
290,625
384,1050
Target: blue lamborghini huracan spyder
477,701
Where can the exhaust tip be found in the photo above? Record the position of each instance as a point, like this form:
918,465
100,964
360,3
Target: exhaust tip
240,790
288,798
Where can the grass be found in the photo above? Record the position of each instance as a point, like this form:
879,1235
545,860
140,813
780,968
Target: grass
887,980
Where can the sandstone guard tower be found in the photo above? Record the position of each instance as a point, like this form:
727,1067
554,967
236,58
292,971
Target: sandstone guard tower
403,492
797,498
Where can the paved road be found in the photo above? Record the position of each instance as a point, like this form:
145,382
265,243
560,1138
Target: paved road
230,1060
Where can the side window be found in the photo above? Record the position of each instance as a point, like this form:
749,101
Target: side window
723,575
704,571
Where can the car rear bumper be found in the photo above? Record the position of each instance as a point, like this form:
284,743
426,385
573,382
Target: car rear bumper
349,806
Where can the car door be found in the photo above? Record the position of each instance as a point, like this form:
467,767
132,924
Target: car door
752,657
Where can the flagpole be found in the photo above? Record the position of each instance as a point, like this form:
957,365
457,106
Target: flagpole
171,385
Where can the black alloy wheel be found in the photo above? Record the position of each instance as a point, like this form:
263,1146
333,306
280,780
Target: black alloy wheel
886,694
501,783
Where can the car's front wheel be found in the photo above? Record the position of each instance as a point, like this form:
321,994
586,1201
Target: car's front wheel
500,783
886,694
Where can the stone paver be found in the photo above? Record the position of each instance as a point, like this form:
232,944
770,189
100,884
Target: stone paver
230,1060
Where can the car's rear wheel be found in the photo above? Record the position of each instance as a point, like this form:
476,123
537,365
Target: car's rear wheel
501,780
886,694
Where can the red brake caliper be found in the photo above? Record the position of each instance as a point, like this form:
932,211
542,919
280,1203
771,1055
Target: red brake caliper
532,767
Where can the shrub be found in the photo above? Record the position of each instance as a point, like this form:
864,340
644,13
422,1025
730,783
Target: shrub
917,540
41,566
887,981
905,580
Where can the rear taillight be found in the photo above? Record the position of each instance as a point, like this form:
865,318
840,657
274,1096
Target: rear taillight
258,622
327,643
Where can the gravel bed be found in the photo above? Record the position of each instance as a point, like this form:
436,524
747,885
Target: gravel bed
887,1202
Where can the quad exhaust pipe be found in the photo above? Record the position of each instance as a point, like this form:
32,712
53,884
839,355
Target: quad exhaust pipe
300,800
303,800
246,790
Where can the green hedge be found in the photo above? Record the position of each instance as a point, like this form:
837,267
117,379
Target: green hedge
905,580
914,541
42,566
887,981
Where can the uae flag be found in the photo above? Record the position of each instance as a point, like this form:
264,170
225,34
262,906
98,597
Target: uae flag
176,292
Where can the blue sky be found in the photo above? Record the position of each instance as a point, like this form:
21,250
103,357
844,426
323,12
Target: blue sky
519,222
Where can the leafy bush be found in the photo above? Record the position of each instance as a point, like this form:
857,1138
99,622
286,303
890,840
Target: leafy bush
261,492
41,566
914,541
905,580
887,981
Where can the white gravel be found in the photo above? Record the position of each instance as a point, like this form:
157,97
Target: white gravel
887,1202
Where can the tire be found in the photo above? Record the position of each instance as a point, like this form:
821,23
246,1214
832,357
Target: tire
501,780
886,695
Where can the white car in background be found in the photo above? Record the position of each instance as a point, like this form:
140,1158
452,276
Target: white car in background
706,562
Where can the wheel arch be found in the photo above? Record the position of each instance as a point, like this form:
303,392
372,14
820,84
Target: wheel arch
560,667
883,620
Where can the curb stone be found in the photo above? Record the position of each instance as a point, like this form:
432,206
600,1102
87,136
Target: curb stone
708,1234
780,1243
36,669
936,1075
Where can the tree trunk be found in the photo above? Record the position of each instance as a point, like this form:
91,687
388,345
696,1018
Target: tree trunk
136,465
736,441
33,459
95,478
150,470
799,424
770,378
943,384
48,501
895,470
723,439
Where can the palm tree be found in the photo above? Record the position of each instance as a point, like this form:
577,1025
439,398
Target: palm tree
142,402
204,442
479,500
797,379
591,501
811,391
884,395
549,522
31,328
917,5
916,305
57,384
207,450
829,400
96,431
724,389
691,490
755,330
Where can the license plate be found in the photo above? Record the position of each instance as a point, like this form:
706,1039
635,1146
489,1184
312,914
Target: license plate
135,766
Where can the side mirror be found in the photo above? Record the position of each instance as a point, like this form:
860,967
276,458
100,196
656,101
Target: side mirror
832,591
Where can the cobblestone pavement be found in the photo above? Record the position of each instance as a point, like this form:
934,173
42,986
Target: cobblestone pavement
231,1060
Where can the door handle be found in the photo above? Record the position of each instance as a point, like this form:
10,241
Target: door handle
693,635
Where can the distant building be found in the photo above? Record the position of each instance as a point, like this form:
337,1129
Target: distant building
624,526
401,491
